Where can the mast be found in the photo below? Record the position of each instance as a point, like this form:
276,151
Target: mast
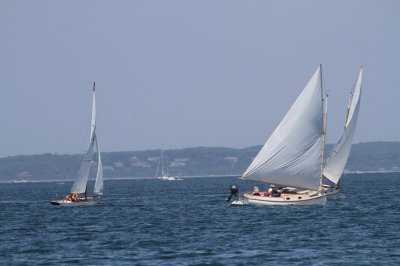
324,118
162,162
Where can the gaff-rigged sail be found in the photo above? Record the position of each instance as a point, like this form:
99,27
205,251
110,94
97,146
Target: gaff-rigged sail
98,186
292,155
337,160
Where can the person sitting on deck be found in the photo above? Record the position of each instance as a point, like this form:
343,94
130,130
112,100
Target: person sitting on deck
271,188
75,197
68,197
266,193
275,193
256,191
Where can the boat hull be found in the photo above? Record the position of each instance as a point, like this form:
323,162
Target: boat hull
89,201
283,200
169,178
331,191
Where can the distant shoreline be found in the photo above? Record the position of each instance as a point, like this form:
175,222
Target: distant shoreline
184,177
371,157
116,178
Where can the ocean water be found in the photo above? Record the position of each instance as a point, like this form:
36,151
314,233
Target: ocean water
153,222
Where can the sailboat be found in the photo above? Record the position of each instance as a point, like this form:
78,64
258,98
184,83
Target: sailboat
337,160
78,192
164,176
293,156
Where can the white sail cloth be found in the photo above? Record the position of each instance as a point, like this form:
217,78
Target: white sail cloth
292,155
93,120
337,160
98,186
80,184
81,179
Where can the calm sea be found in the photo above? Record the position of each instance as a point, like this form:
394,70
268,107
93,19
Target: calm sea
153,222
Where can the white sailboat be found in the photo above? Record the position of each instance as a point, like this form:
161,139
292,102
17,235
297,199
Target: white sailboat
78,193
337,160
164,176
293,156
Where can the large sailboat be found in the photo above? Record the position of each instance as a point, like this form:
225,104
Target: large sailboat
337,160
293,156
78,193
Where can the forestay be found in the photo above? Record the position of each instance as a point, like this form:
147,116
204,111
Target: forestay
292,155
337,160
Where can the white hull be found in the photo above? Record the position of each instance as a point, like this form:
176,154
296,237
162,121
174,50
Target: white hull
331,191
168,178
88,201
283,200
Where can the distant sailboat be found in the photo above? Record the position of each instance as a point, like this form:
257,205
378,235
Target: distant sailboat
164,176
293,154
337,160
78,193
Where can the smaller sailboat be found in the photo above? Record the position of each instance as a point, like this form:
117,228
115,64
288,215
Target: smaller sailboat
164,176
78,193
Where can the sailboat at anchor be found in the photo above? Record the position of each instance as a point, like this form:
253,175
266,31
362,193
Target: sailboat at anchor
78,192
293,156
164,176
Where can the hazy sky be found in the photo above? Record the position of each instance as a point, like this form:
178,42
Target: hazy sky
189,73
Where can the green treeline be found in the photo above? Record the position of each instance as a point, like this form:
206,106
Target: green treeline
371,156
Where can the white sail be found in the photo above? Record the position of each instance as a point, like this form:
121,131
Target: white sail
81,179
83,174
338,158
98,186
292,155
93,120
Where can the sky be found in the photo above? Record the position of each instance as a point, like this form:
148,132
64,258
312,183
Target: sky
177,74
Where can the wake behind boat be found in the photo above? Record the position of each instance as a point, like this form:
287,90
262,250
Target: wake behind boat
78,193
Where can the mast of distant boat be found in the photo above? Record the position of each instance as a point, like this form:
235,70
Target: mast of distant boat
162,162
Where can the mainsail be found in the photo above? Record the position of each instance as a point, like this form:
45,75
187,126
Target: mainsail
83,174
337,160
292,155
